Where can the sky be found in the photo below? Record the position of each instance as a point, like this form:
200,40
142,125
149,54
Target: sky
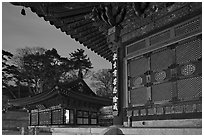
20,31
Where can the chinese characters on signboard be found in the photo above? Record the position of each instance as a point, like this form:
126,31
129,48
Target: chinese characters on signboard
112,40
115,88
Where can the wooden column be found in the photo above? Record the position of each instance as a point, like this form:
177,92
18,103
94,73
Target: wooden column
118,120
114,41
174,73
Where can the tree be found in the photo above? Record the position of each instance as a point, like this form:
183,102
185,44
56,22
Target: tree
40,69
6,77
57,68
8,72
28,64
81,63
68,76
102,82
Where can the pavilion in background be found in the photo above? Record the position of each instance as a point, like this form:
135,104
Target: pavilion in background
65,105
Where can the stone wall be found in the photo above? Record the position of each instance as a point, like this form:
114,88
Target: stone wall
12,121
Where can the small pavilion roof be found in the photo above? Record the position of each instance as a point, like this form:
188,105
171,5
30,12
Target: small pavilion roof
71,90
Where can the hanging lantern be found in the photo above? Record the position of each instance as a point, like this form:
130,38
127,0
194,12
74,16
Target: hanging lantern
23,12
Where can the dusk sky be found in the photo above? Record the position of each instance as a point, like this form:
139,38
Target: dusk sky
20,31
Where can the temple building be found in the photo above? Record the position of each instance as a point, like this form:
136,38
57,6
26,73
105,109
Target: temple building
156,52
66,105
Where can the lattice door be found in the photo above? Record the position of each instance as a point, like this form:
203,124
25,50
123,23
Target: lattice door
188,57
189,89
45,118
162,87
34,118
138,92
138,66
57,116
138,96
167,74
162,92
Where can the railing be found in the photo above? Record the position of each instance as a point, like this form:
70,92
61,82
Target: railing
169,110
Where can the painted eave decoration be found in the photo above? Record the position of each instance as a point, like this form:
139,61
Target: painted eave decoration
88,23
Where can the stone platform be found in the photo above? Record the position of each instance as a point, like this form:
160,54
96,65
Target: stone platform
127,131
156,127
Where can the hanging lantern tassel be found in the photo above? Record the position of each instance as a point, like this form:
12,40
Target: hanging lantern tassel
23,11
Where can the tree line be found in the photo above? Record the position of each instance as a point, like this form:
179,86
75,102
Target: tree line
35,70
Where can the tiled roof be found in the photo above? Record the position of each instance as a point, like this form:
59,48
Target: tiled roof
75,19
69,90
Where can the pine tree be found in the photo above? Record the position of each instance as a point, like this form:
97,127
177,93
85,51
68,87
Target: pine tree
41,69
81,62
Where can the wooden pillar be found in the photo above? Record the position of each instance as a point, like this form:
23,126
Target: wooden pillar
114,41
174,73
75,116
114,20
30,117
38,118
118,120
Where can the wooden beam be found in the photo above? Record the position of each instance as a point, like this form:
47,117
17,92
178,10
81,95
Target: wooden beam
87,34
78,23
100,46
83,27
95,39
68,20
107,57
74,12
97,43
65,6
105,50
73,26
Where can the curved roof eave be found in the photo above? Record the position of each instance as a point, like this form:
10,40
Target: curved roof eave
60,91
59,17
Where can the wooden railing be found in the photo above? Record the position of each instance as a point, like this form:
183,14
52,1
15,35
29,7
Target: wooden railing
169,110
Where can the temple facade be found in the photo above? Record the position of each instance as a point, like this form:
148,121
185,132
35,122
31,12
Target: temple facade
156,52
163,75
